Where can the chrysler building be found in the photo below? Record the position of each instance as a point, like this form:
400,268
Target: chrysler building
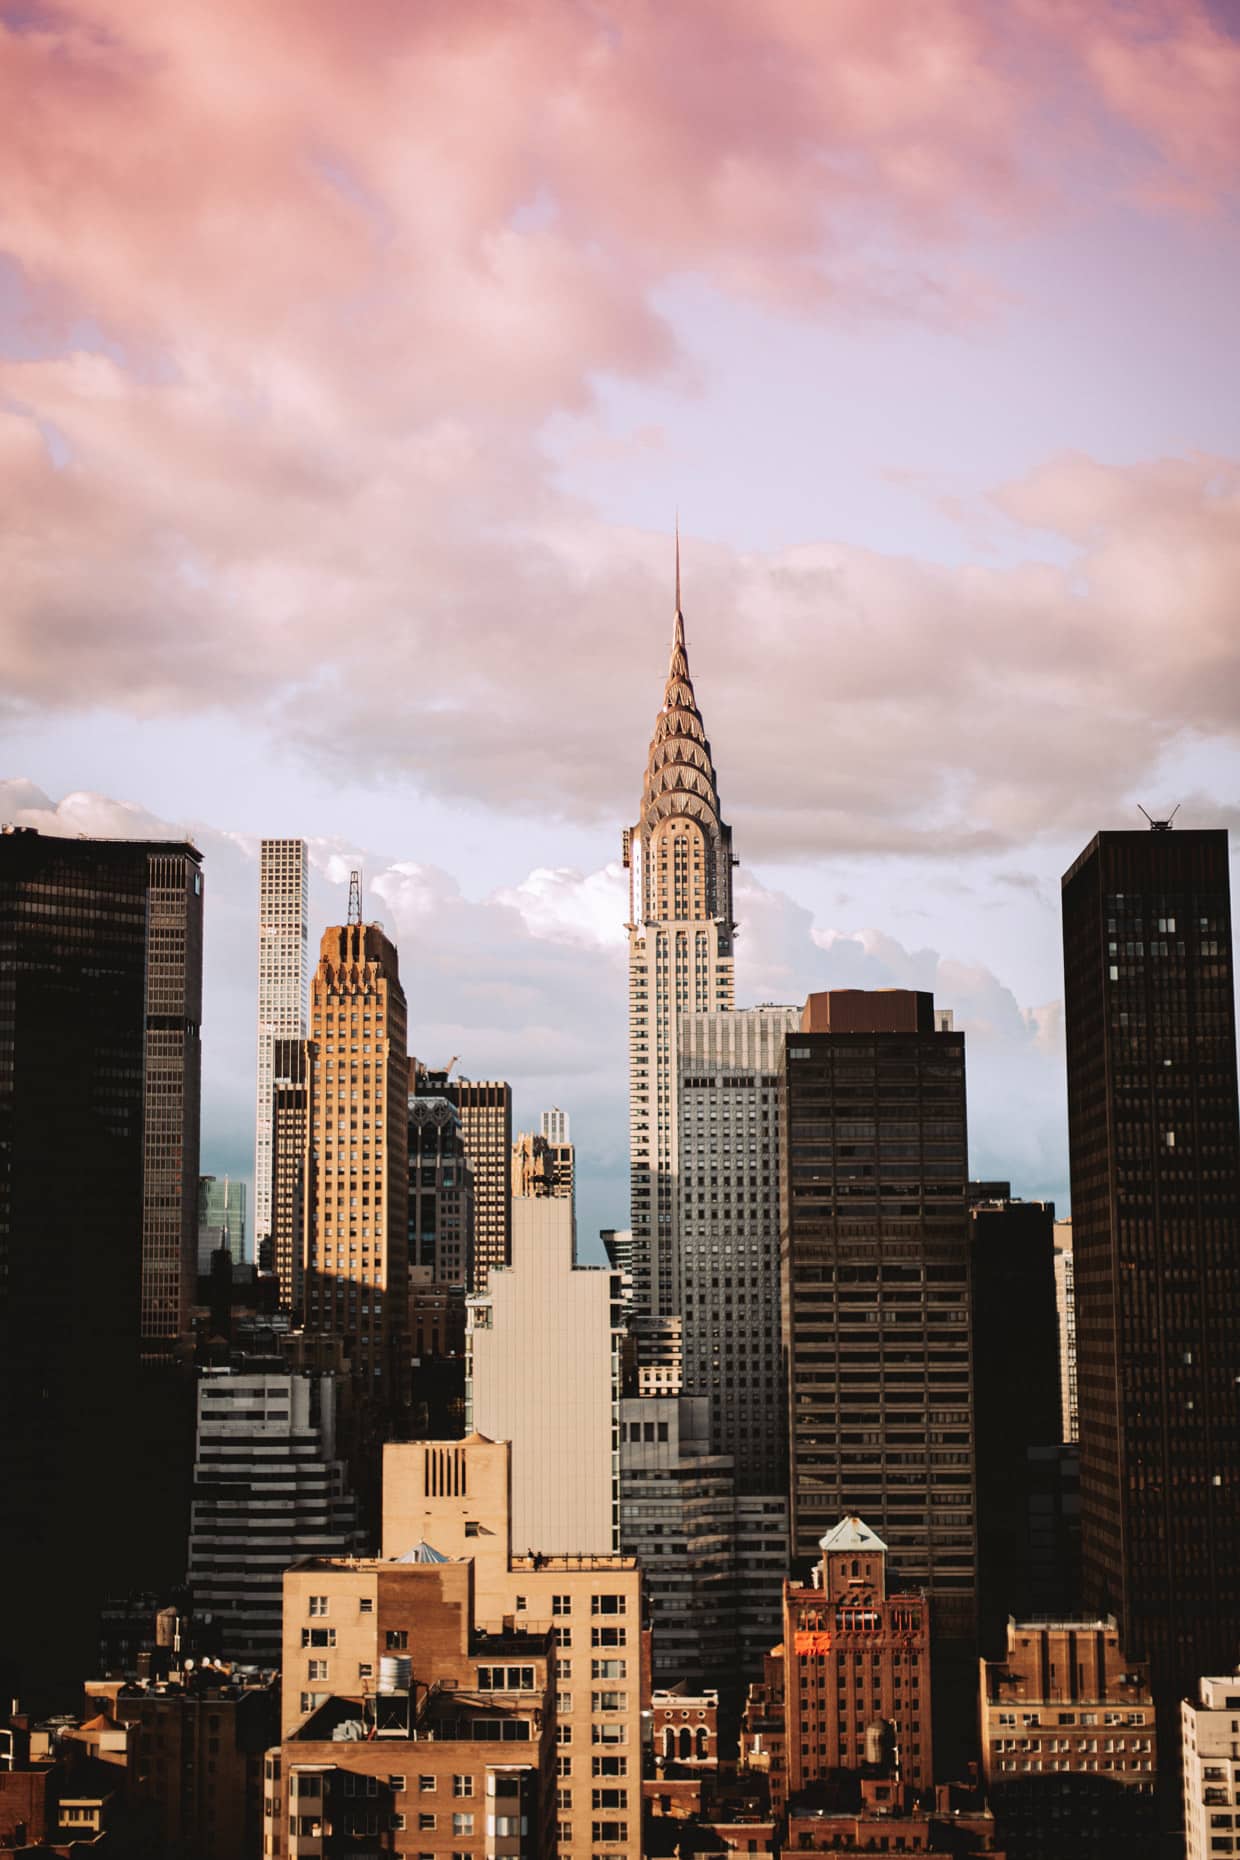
679,857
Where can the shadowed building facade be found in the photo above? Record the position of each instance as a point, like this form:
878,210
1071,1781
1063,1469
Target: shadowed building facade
679,860
1155,1155
100,1009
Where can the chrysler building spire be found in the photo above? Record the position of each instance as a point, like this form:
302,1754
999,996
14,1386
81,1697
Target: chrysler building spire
679,857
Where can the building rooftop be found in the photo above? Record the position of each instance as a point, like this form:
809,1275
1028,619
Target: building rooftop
851,1534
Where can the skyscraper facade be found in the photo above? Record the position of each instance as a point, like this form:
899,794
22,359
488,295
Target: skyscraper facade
1155,1157
544,1372
268,1490
357,1251
100,1005
485,1109
731,1066
283,973
221,1219
283,1252
441,1186
679,859
876,1287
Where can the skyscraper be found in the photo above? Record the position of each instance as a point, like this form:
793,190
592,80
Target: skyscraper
1155,1155
679,859
556,1131
268,1490
441,1186
544,1367
485,1108
877,1304
100,1004
221,1219
284,1251
283,911
1015,1393
731,1065
357,1251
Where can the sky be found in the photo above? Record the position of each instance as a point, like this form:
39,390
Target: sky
355,362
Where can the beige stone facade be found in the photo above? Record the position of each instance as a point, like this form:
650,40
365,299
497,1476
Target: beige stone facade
544,1361
454,1495
357,1246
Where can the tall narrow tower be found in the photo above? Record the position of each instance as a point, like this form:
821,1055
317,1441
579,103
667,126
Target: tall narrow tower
679,857
282,982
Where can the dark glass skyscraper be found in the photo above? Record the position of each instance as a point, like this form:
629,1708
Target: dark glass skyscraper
876,1291
1155,1153
100,1003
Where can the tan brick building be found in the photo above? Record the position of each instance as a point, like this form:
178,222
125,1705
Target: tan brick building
854,1665
455,1495
1069,1748
356,1239
409,1728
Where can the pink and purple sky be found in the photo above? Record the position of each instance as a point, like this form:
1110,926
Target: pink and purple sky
353,361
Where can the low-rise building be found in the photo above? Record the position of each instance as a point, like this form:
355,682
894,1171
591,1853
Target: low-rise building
1210,1747
409,1728
197,1740
1069,1746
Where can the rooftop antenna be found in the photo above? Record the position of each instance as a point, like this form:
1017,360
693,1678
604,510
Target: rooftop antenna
1160,826
355,897
678,561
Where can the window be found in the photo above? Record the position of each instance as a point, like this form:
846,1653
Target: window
366,1605
462,1824
563,1766
427,1822
471,1527
318,1637
608,1604
317,1605
609,1798
563,1733
561,1604
462,1785
609,1636
396,1639
563,1798
608,1669
609,1701
426,1785
396,1784
316,1669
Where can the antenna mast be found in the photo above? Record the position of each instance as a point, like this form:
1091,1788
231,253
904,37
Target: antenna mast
355,897
1160,826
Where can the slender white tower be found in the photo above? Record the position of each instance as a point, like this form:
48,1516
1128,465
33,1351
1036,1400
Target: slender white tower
283,981
679,857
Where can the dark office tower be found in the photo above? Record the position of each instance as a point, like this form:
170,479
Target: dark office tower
100,990
1015,1394
876,1298
292,1065
1152,1121
485,1107
441,1185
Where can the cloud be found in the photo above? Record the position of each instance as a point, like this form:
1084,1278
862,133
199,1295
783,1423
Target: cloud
290,310
542,1001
